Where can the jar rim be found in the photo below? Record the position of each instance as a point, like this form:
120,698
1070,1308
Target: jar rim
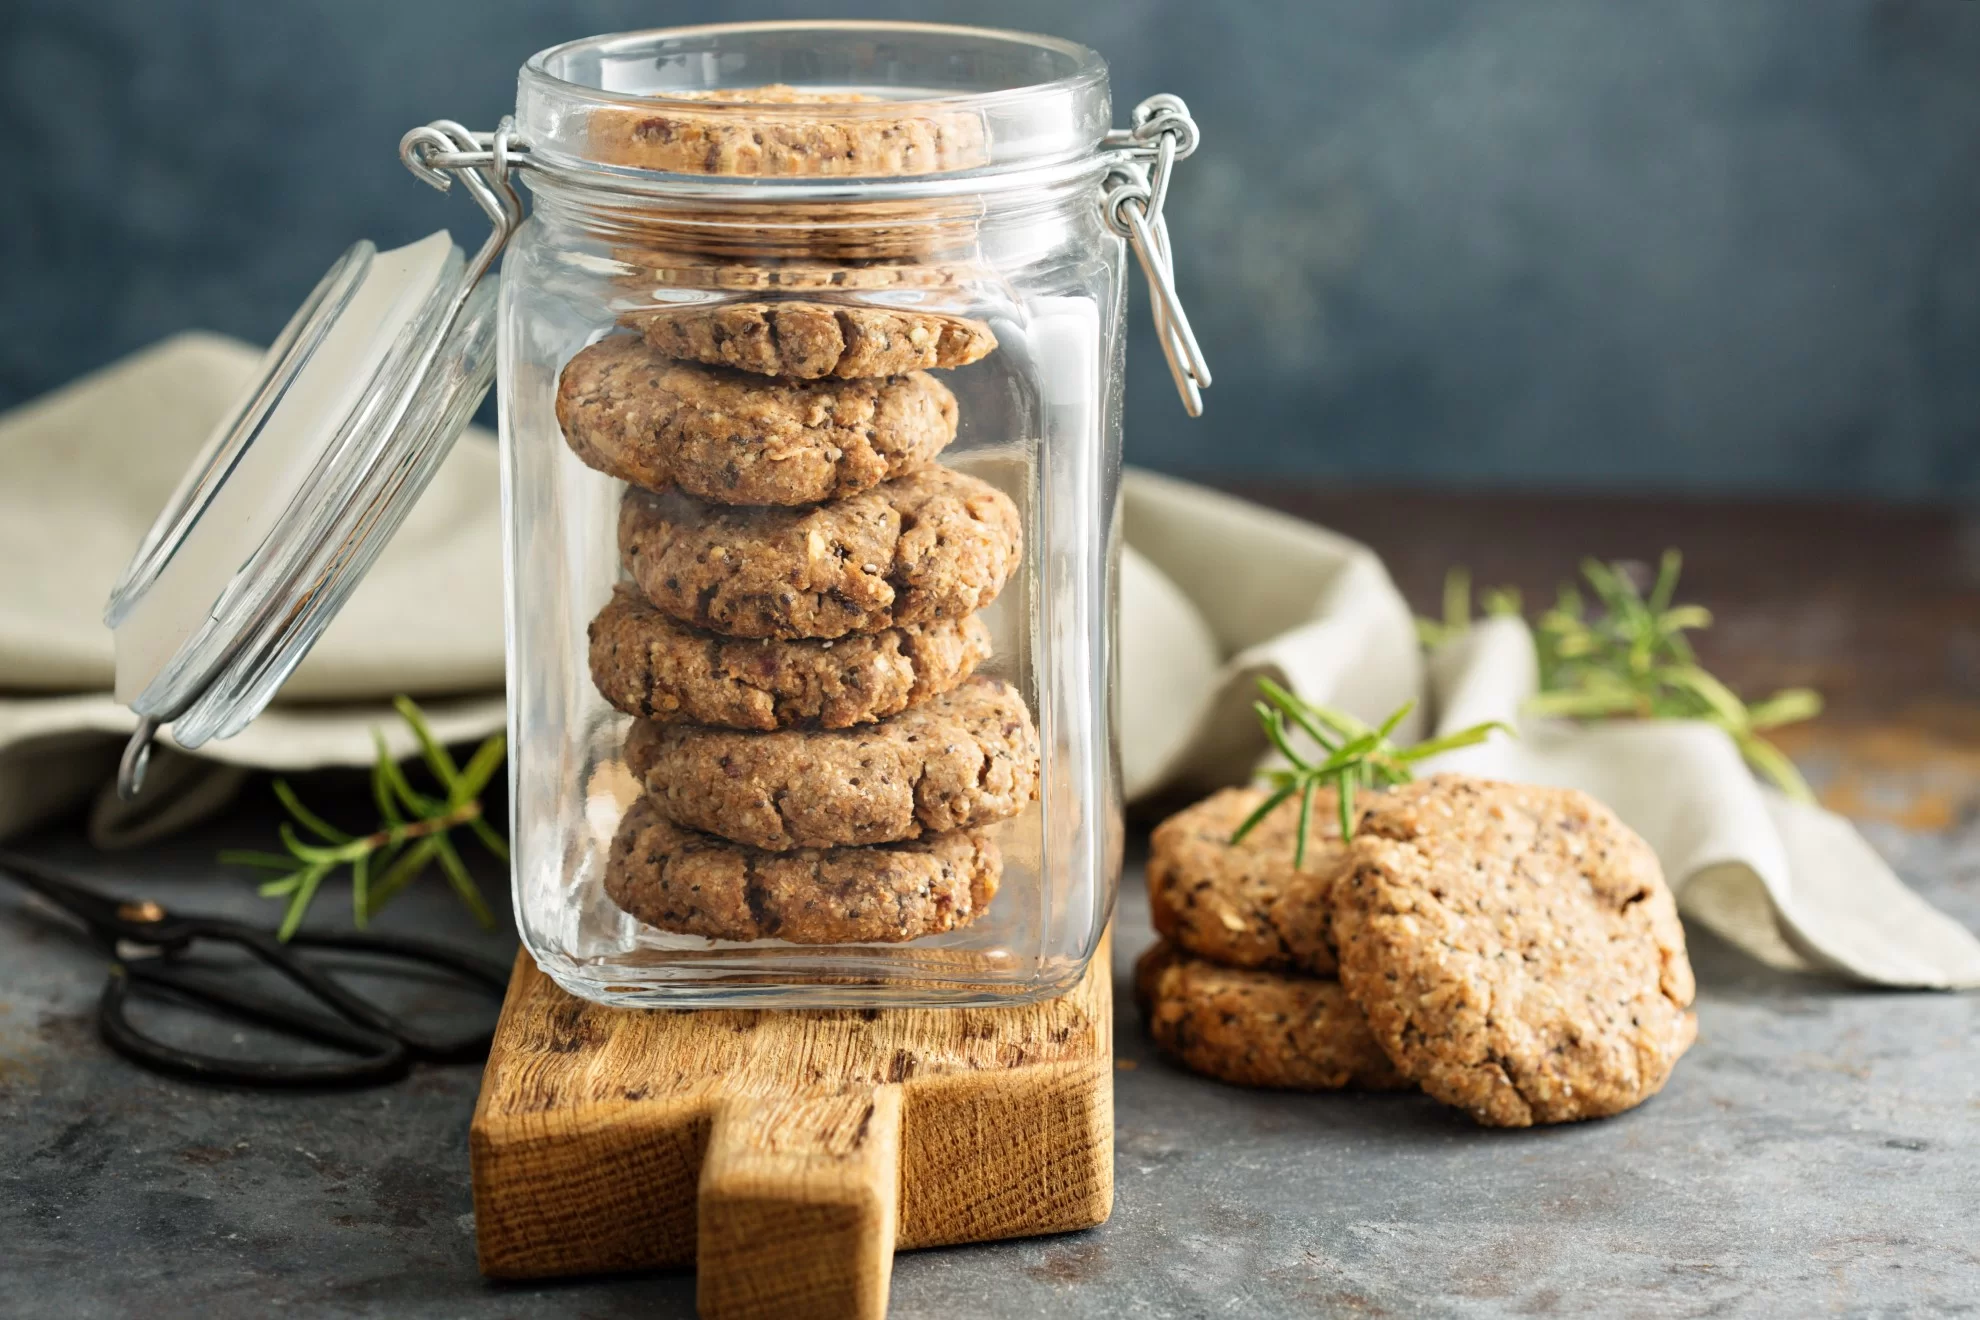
1089,64
1039,99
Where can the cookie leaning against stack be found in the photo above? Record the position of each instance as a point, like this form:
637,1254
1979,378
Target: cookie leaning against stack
1511,950
798,637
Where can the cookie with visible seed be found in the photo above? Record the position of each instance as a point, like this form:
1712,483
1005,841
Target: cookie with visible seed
810,340
1243,904
730,438
695,884
962,760
798,132
1515,949
650,665
924,548
1254,1028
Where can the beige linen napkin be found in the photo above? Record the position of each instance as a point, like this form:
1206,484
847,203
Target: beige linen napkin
1215,592
83,472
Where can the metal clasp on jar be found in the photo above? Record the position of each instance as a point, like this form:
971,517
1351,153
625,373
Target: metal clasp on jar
1142,159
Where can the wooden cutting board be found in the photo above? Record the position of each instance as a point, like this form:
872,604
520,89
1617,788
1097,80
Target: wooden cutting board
786,1154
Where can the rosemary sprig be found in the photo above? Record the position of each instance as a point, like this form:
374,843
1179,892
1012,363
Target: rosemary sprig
1354,756
413,833
1497,601
1631,658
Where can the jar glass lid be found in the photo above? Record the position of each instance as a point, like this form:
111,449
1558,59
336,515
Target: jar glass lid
295,494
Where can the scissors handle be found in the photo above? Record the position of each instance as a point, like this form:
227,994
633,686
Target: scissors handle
488,976
372,1057
381,1048
377,1045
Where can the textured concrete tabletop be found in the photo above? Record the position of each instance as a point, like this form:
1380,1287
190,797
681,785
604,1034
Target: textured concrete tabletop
1818,1152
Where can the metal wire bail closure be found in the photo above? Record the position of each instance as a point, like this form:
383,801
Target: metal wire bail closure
1143,159
439,151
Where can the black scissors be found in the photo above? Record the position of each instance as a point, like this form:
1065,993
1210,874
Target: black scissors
145,944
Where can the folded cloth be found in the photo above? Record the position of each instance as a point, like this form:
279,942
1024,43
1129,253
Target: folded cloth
83,472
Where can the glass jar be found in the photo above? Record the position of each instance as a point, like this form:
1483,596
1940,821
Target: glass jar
810,363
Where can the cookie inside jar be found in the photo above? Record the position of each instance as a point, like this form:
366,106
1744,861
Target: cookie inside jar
787,435
827,443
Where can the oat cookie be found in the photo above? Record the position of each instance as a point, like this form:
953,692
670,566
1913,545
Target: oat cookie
810,339
734,439
1256,1028
675,268
692,884
649,665
750,230
802,132
1243,904
962,760
1515,949
936,545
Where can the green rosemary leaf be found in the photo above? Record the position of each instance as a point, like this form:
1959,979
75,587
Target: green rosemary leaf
1400,714
1298,712
1366,758
1343,724
481,767
1718,701
381,782
1351,753
305,852
418,804
1633,658
436,757
1667,579
463,883
1265,809
1788,706
1450,742
493,842
402,872
299,902
1274,725
1773,763
309,820
280,886
413,833
1682,617
361,892
1305,823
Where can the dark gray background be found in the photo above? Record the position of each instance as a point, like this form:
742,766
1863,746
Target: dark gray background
1688,244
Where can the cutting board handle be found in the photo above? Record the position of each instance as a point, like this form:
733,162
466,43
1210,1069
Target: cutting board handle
797,1207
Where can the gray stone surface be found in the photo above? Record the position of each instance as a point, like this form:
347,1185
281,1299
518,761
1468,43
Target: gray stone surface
1817,1153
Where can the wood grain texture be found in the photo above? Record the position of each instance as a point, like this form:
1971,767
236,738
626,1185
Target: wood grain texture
608,1139
798,1205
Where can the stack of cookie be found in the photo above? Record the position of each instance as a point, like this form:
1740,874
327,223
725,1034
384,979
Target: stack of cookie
1511,950
798,640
